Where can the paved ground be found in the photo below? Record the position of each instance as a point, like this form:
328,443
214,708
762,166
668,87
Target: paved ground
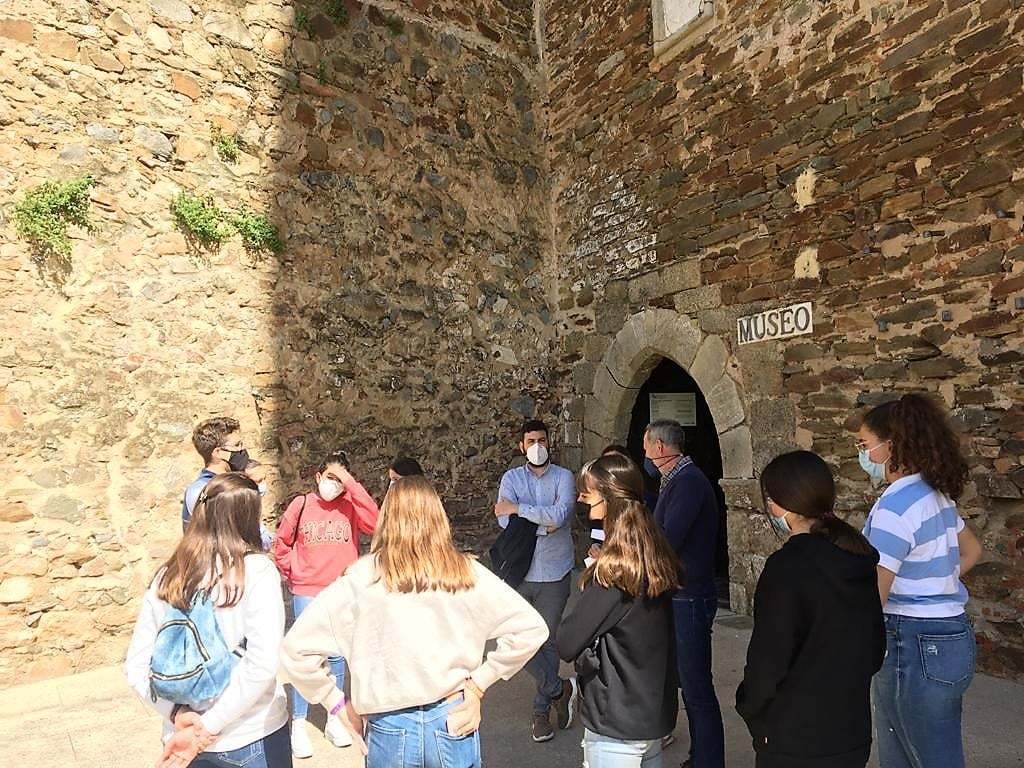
92,721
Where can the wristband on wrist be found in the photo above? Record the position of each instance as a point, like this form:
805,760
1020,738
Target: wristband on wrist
476,689
339,706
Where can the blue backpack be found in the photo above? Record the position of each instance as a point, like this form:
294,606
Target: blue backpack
191,663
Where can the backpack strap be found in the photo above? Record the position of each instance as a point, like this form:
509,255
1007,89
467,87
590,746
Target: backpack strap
298,519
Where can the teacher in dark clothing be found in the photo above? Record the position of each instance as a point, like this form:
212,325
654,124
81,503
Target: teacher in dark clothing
687,512
620,632
818,632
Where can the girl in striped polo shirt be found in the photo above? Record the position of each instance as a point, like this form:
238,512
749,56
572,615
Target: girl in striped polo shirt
924,549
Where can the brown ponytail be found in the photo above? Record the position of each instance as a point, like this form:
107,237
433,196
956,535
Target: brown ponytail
922,440
801,482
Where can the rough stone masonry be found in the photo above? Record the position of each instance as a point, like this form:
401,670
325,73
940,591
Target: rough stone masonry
493,209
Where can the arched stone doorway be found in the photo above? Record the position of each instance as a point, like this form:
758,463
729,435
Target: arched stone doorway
646,340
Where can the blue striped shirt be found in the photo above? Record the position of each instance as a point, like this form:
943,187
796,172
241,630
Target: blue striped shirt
914,528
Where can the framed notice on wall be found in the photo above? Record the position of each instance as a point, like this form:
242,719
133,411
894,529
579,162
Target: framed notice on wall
679,406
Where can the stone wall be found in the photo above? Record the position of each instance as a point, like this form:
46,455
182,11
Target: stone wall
395,147
865,156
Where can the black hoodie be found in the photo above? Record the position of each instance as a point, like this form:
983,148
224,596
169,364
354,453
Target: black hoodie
818,640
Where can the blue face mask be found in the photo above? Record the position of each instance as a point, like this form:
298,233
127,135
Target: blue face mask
875,470
651,468
780,524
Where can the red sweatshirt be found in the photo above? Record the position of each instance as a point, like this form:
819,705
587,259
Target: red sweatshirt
314,548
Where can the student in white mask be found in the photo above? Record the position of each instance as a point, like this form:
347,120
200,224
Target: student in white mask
317,540
544,494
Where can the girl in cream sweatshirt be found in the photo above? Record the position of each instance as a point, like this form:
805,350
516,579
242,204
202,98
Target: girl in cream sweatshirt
412,618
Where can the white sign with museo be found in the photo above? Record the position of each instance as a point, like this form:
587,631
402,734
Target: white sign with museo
794,320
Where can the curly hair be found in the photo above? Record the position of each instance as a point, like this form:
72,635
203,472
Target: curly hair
922,441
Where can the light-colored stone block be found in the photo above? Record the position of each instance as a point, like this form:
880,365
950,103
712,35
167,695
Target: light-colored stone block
737,453
725,403
709,363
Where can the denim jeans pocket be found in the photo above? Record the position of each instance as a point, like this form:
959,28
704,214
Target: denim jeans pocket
458,751
947,659
251,755
386,746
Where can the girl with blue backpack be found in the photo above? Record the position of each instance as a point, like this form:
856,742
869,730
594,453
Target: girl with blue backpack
205,647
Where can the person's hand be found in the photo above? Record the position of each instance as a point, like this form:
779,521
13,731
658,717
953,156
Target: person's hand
185,718
464,719
594,551
356,725
182,748
345,476
551,529
504,508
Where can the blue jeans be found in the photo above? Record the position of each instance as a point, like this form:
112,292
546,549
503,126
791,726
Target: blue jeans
418,737
918,692
548,598
273,751
605,752
694,618
299,705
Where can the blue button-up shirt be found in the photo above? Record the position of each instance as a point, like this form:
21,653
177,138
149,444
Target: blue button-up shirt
548,501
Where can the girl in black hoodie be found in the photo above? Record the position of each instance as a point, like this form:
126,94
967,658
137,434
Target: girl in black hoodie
818,633
620,634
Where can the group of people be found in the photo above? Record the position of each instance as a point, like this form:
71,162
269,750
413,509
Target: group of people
846,623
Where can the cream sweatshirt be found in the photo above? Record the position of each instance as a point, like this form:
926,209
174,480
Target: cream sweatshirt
408,649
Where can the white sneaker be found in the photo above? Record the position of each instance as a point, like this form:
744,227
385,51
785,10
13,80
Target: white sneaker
301,746
337,733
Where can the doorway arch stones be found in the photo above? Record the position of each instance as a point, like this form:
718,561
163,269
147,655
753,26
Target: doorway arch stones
646,338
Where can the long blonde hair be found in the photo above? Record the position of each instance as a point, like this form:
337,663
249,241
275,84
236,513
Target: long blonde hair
635,557
413,543
223,529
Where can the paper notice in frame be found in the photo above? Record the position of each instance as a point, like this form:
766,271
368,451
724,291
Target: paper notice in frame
678,406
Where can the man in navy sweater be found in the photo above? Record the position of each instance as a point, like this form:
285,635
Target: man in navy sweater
687,512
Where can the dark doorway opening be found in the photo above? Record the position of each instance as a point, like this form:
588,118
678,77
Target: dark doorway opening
701,446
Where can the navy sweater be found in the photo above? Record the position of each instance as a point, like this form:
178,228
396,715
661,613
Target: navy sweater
687,512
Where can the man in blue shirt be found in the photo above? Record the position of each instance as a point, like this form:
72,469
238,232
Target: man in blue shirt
687,512
545,494
219,442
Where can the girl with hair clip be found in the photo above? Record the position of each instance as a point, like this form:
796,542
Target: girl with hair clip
621,633
818,635
220,557
924,550
412,619
317,540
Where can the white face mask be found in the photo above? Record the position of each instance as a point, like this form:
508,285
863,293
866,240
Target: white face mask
537,455
329,489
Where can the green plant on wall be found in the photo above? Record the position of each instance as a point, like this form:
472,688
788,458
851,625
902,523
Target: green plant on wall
321,73
201,219
258,234
209,225
337,10
394,24
227,146
302,21
42,218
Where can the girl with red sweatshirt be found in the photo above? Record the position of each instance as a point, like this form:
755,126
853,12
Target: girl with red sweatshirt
317,540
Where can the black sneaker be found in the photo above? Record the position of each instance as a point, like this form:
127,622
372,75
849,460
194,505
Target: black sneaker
542,730
565,705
